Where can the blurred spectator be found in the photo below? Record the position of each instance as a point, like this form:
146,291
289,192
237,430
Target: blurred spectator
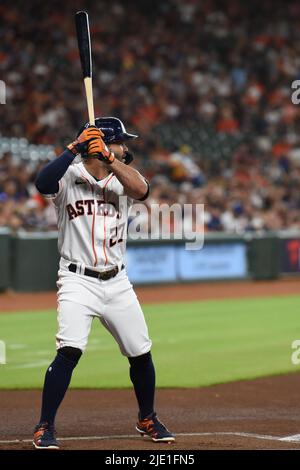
205,84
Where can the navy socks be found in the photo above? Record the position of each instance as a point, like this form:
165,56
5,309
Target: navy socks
142,375
59,373
57,380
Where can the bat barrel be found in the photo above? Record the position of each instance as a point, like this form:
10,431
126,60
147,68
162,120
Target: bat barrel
84,42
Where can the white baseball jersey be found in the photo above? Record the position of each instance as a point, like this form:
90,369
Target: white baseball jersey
92,224
92,218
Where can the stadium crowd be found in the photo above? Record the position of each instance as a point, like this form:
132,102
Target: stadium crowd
223,66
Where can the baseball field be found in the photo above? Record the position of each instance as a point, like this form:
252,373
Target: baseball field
223,359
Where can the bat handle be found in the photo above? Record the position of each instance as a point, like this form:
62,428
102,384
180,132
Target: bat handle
89,99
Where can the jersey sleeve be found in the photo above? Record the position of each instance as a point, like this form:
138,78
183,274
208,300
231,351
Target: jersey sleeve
62,187
147,192
50,179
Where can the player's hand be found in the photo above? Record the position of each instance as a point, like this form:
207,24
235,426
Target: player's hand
87,135
98,149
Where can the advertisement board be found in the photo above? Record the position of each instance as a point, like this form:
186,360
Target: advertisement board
171,263
152,263
214,261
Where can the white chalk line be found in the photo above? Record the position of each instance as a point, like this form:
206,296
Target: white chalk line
292,438
31,365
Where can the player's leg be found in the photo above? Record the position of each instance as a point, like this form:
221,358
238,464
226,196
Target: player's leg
57,380
122,315
125,320
142,375
74,326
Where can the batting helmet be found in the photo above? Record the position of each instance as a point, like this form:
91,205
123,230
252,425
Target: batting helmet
113,129
114,132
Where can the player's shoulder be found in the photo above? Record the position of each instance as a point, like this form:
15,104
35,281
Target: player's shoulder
79,176
76,167
72,169
77,170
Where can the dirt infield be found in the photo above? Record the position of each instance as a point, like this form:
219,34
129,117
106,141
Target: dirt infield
11,301
241,415
255,414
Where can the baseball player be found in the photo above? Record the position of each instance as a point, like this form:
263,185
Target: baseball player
92,280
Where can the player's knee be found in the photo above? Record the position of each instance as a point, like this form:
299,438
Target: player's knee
70,353
140,361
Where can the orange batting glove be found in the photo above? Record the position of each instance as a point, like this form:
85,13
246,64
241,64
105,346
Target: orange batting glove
81,143
98,149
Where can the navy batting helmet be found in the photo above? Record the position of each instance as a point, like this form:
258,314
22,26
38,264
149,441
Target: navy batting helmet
113,129
114,132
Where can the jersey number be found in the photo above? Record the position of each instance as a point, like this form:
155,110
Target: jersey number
114,237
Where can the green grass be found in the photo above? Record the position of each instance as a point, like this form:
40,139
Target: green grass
194,344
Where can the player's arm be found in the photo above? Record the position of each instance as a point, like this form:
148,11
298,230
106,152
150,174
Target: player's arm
47,181
135,185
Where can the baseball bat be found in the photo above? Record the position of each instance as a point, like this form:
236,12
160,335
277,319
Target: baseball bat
84,46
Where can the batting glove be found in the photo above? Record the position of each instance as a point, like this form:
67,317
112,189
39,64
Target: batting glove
98,149
80,145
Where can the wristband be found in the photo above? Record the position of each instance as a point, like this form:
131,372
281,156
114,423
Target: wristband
73,149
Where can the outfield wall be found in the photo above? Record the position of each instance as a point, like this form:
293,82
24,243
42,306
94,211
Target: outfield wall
29,261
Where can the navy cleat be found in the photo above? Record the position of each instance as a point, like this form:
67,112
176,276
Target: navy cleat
44,437
153,428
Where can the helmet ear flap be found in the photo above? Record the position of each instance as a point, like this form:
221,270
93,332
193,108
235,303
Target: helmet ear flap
128,157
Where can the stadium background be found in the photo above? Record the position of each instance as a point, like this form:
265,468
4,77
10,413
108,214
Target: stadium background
207,86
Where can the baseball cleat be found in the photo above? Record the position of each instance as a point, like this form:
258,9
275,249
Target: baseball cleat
44,437
155,429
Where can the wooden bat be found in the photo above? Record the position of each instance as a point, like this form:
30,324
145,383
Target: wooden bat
84,46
